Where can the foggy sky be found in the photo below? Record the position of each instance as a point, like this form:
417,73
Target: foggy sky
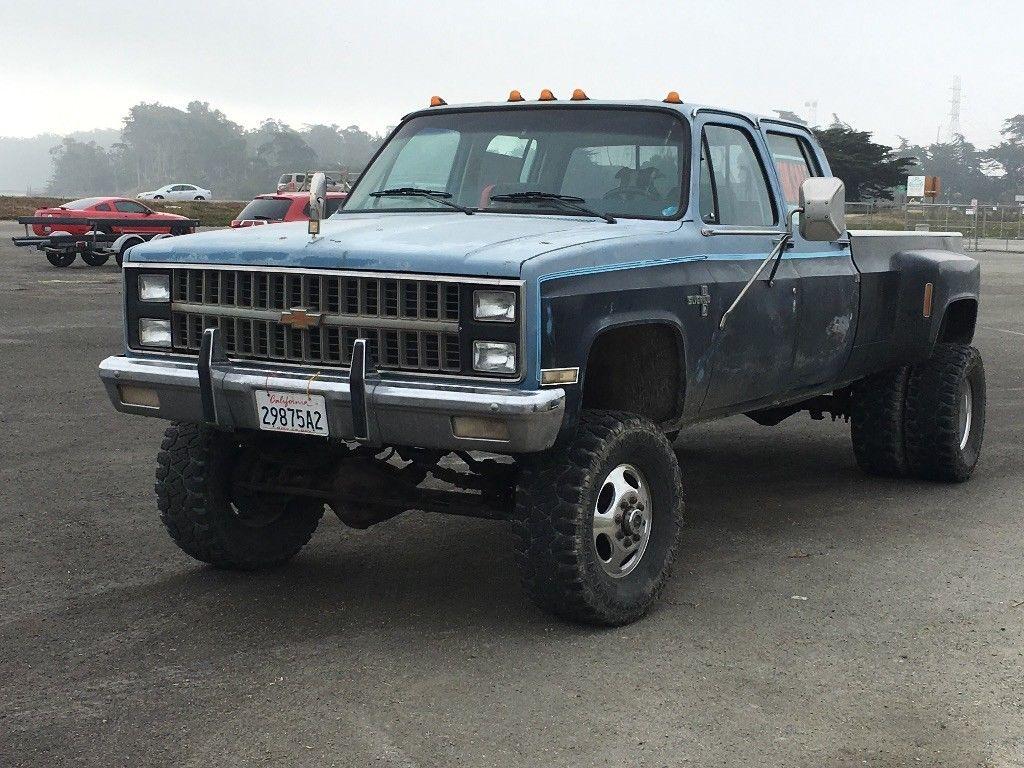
887,67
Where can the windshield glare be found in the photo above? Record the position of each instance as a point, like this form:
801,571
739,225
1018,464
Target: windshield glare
623,162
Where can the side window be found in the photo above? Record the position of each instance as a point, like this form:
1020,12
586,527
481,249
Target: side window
102,207
794,162
127,206
738,185
425,161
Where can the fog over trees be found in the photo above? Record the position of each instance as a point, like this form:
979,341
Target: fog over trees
159,145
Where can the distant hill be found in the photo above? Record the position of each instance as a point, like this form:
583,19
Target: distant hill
25,164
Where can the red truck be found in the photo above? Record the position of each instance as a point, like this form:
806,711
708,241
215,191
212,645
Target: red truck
284,206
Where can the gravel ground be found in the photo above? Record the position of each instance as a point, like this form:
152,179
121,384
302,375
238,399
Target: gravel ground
817,616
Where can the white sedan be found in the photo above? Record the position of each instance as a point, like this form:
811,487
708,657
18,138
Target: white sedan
177,192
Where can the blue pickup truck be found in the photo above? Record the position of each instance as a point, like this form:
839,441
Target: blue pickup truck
517,310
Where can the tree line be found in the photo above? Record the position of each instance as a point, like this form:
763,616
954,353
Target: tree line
873,171
161,145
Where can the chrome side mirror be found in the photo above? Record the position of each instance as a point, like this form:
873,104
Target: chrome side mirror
317,202
822,209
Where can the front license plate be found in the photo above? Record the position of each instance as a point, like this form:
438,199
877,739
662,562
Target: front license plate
290,412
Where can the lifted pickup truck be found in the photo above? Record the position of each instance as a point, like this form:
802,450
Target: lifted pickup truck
546,293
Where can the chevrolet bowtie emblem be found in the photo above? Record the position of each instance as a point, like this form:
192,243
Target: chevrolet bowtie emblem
300,319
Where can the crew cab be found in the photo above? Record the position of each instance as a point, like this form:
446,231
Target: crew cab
284,206
518,310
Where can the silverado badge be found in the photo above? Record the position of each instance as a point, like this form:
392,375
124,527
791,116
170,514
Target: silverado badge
300,319
702,299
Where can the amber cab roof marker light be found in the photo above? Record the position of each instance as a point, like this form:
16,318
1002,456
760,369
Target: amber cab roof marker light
437,101
515,96
579,95
546,95
673,98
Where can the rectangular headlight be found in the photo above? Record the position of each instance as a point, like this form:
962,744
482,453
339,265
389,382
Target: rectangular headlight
154,288
494,306
494,357
154,333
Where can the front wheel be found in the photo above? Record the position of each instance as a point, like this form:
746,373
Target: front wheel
195,469
60,259
200,197
945,413
598,520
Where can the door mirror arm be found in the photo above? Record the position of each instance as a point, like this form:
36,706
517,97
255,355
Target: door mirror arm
775,256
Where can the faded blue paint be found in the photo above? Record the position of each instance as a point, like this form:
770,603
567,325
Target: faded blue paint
535,248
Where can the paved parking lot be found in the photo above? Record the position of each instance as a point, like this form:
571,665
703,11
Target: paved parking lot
817,617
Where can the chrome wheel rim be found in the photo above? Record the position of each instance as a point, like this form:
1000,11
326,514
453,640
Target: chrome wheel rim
622,520
966,413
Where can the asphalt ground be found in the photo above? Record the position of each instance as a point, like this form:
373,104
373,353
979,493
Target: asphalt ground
817,616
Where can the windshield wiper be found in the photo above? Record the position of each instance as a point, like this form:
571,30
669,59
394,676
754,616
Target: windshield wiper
433,194
567,201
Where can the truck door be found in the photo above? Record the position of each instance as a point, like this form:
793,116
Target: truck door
829,287
751,357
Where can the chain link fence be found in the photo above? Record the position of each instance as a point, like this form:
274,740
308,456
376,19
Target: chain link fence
985,227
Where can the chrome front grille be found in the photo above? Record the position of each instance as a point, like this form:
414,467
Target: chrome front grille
409,324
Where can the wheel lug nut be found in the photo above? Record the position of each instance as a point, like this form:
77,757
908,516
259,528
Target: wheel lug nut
623,504
628,542
618,517
640,506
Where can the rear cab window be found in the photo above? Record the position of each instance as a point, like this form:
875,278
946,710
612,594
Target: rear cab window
794,162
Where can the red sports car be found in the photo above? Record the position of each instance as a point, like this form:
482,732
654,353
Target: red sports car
98,208
284,206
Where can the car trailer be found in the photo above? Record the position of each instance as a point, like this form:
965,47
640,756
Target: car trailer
98,244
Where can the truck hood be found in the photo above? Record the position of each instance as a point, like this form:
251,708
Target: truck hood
487,245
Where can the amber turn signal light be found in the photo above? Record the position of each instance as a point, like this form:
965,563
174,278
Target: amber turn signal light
673,98
546,95
515,96
579,95
437,101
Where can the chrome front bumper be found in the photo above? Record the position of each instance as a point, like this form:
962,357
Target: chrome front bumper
399,413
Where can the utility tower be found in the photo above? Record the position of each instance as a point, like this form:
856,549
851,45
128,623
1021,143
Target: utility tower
954,108
812,106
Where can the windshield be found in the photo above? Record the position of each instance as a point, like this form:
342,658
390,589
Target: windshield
620,162
269,209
